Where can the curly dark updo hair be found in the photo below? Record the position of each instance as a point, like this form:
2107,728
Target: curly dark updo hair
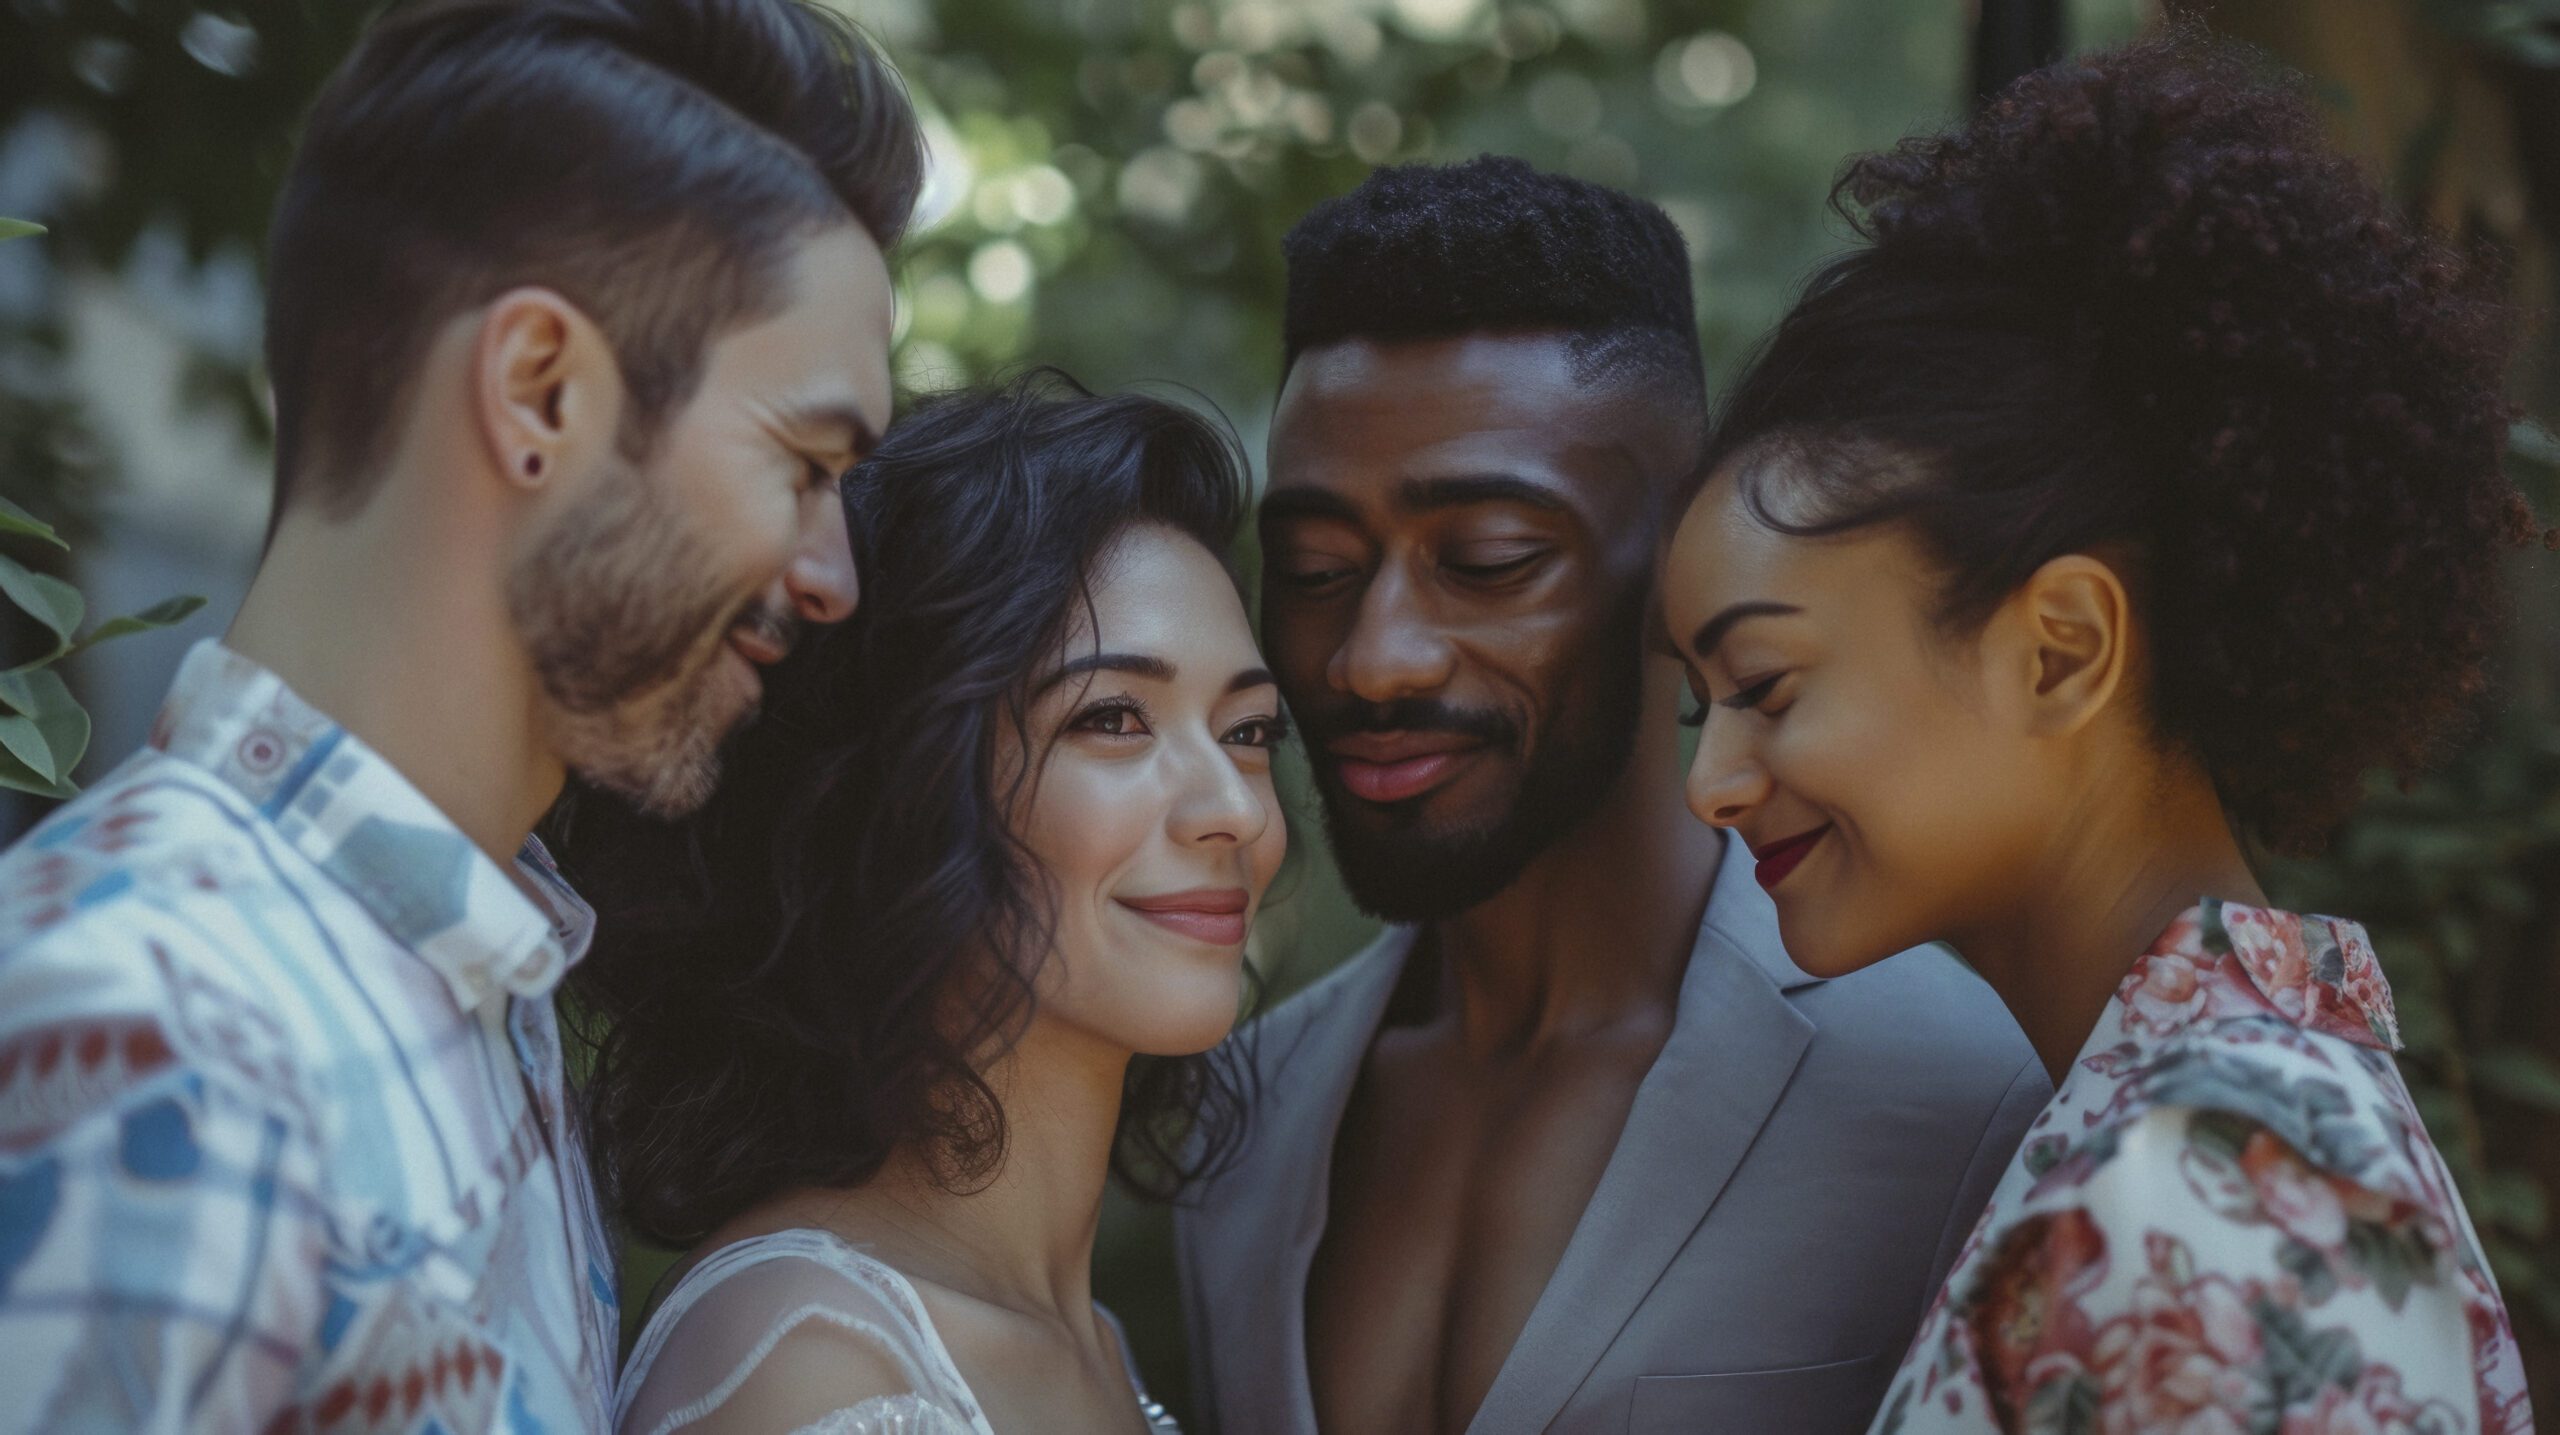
796,981
2139,306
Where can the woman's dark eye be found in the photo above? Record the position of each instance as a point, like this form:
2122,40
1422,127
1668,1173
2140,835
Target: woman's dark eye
816,475
1260,732
1112,720
1750,697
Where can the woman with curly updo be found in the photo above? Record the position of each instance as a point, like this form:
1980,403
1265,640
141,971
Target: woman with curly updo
2130,493
943,952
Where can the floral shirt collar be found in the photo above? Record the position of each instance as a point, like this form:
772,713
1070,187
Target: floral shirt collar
484,930
2317,972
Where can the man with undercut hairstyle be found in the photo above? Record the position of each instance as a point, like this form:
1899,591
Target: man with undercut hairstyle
577,310
1573,1146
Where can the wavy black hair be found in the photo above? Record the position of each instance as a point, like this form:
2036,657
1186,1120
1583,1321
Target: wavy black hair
2139,305
792,983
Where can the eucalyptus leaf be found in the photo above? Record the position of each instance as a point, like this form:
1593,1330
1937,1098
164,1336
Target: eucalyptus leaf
14,519
60,721
24,741
166,613
46,599
19,777
18,229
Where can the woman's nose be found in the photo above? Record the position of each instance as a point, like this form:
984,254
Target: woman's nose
1725,784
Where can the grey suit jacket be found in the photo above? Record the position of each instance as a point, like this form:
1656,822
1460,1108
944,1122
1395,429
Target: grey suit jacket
1797,1173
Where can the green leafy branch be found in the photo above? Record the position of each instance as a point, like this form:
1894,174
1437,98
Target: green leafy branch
44,731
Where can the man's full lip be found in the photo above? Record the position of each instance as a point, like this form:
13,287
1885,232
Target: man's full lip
1399,766
755,647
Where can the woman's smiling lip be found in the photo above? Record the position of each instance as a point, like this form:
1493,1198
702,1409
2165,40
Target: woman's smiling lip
1780,857
1393,766
1215,915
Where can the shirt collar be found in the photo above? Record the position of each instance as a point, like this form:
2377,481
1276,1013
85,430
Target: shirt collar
2319,973
340,804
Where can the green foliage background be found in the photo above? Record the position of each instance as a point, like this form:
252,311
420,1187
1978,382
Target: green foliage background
1117,177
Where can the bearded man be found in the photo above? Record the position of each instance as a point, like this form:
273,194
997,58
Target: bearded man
1574,1146
577,312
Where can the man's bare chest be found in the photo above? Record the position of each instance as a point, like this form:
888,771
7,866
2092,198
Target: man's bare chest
1454,1198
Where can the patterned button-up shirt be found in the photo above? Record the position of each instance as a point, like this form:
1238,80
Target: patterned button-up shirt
284,1144
2229,1220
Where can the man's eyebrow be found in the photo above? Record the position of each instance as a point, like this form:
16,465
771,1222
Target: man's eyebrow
1286,503
1459,490
832,416
1134,664
1711,632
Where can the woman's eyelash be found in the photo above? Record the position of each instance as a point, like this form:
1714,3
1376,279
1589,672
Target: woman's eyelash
1275,729
1752,696
1093,714
1696,716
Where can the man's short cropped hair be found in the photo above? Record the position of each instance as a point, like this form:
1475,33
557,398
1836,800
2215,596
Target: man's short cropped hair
1493,244
654,161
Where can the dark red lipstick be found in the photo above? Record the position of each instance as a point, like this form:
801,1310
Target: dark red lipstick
1780,858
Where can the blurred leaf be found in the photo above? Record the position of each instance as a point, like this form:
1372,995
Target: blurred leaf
48,730
18,777
18,229
14,519
166,613
46,599
24,742
2519,1074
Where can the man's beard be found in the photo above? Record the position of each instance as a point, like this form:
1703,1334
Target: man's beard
624,615
1400,872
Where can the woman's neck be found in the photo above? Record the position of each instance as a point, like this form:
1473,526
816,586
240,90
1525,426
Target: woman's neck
2119,870
1024,1239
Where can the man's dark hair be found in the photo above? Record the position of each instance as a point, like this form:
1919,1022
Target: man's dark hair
1426,251
652,160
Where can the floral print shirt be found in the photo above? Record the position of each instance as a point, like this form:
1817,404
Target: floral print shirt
2229,1221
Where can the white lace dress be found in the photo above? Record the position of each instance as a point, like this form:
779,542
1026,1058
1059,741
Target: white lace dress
738,1306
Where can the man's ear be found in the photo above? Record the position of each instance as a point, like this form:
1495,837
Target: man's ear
2075,624
547,391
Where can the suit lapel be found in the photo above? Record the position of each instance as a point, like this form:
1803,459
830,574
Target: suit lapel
1309,1060
1733,1048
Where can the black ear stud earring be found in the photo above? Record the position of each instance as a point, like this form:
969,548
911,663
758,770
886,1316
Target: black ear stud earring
533,465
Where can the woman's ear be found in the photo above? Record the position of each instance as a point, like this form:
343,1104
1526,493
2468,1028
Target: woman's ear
2076,622
545,387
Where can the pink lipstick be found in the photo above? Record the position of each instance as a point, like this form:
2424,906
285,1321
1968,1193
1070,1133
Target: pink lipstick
1215,915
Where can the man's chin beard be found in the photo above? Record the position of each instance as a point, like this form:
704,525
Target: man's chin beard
1405,874
663,758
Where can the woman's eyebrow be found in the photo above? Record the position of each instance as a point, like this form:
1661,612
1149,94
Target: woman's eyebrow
1135,664
1249,678
1711,632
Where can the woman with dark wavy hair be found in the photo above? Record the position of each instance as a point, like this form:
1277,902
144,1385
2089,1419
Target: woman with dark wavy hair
944,951
2125,498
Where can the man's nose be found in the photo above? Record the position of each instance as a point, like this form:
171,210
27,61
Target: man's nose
823,584
1394,649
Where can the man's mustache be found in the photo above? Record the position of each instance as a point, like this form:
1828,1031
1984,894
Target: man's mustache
1406,715
779,630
